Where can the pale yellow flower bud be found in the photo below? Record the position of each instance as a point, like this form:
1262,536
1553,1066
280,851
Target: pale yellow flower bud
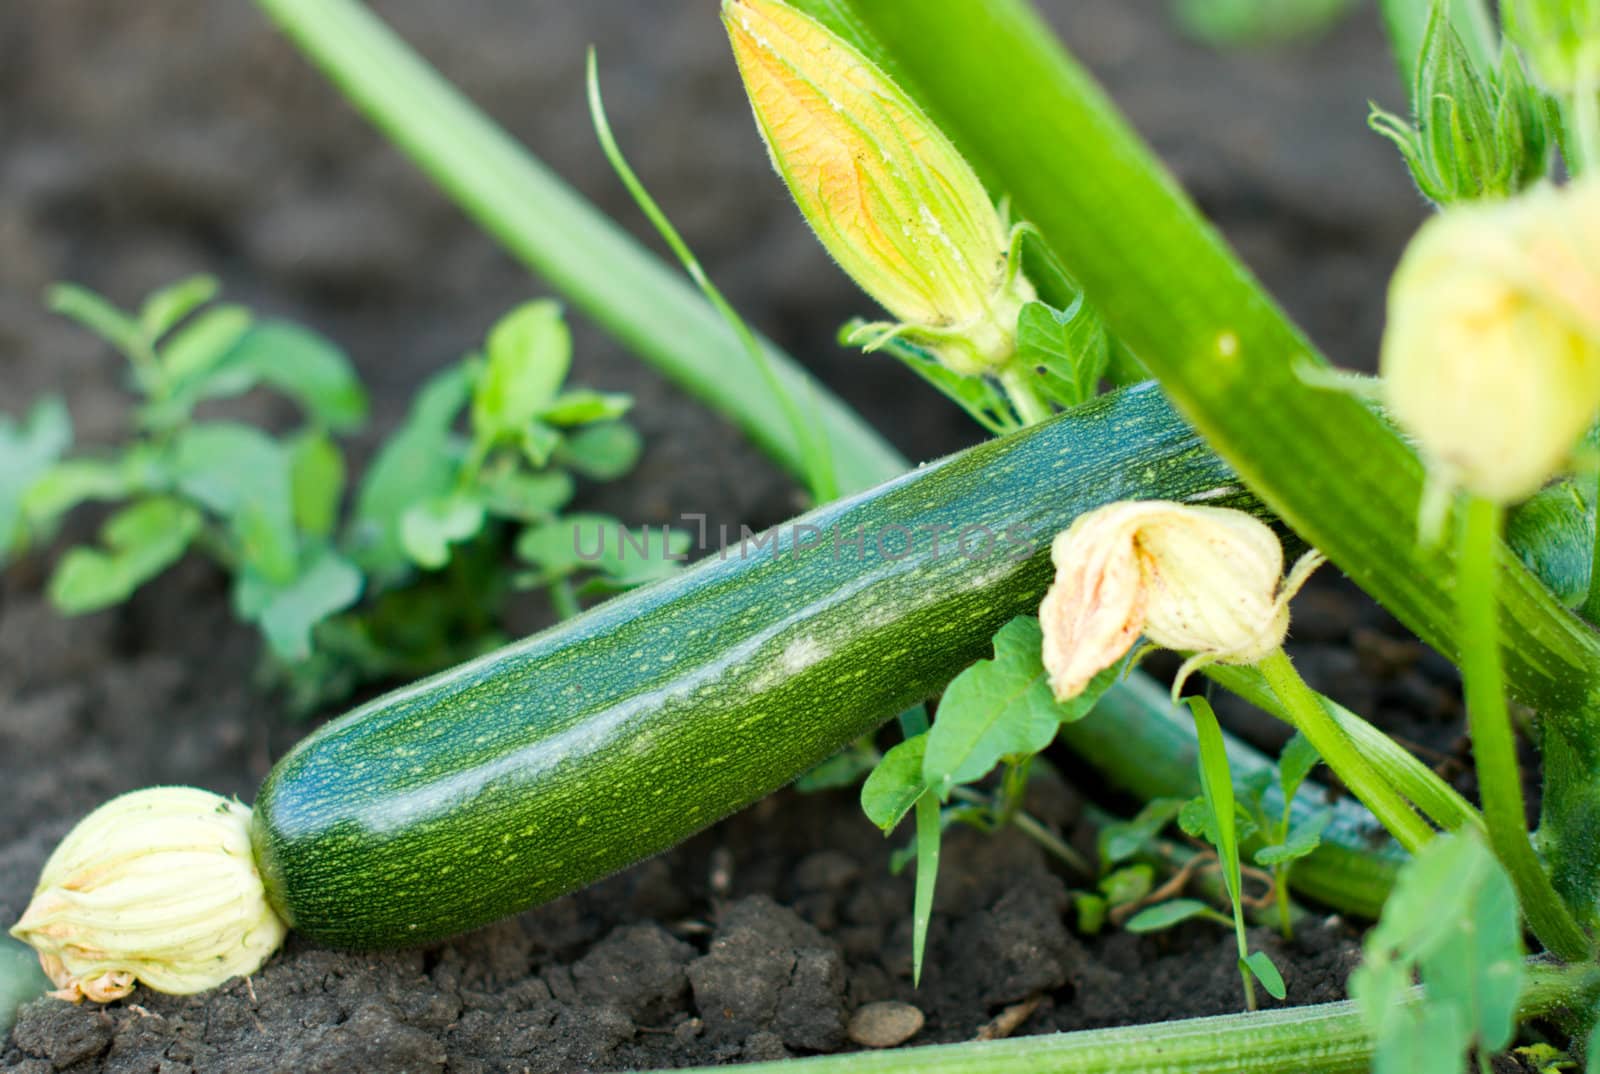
158,886
1202,580
888,194
1491,357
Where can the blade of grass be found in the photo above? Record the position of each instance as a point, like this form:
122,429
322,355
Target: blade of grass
561,236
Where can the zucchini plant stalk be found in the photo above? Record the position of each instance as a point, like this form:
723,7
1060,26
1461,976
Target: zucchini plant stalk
1494,749
1329,1038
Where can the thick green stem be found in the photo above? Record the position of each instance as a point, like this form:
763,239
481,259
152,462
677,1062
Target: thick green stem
1031,407
1437,800
1494,749
1321,1039
647,306
1341,755
1034,125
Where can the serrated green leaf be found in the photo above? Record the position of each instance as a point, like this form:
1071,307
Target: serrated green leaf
171,304
1070,347
316,482
419,462
1195,820
997,708
1164,915
242,474
527,357
583,406
601,452
1260,964
429,528
201,345
1303,839
28,454
139,542
895,785
525,497
98,316
1124,839
288,613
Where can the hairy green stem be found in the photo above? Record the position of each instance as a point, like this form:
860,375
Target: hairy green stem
1406,23
552,229
1341,755
1494,749
1322,1039
1437,800
1034,125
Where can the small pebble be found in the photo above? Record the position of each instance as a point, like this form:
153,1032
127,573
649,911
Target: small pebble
885,1024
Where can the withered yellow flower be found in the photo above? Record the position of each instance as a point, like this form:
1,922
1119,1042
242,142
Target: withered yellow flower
1202,580
158,886
1491,355
888,194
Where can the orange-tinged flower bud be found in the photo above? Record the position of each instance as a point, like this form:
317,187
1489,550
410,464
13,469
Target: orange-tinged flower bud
1491,356
158,886
1202,580
888,194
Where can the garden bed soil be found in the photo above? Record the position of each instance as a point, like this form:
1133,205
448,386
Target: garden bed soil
144,143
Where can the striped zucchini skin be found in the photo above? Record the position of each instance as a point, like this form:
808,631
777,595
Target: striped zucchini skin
557,760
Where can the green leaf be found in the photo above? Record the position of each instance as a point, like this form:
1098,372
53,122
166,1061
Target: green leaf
538,441
1128,885
1216,782
316,482
999,708
1124,839
296,361
528,354
602,452
1453,916
242,474
1069,348
642,555
1260,964
27,451
419,462
844,769
98,316
523,496
895,785
583,406
139,543
1164,915
287,613
161,312
1303,839
1091,911
429,528
1238,22
570,543
1299,757
928,836
201,345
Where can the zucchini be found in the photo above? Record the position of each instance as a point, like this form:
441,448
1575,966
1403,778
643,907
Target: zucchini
557,760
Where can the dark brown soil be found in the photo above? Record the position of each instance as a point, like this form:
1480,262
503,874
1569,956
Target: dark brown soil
147,142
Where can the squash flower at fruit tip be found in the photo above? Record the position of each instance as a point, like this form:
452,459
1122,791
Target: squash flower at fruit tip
158,886
1202,580
886,192
1491,354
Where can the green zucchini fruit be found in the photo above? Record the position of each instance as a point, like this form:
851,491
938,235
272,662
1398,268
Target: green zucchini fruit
557,760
